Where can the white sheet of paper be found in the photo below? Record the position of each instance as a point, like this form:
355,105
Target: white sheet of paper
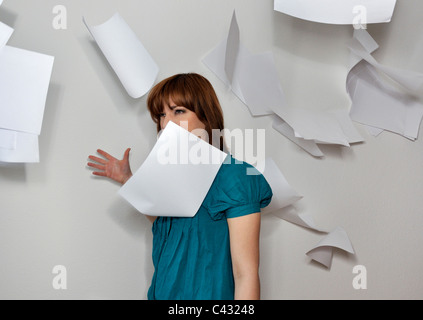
26,150
216,61
409,79
232,49
386,110
304,220
5,34
322,127
245,70
347,126
323,251
308,145
8,139
283,194
128,57
337,122
374,131
260,84
337,11
256,83
24,82
376,102
176,188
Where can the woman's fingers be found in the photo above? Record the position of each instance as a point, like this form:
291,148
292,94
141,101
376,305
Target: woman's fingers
105,154
110,167
102,174
97,159
96,166
126,155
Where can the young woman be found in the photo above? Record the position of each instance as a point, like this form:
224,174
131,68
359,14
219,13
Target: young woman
215,254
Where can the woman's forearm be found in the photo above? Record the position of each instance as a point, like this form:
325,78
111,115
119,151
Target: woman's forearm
247,287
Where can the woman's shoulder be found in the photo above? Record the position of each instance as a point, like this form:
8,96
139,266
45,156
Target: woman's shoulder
236,175
233,167
239,188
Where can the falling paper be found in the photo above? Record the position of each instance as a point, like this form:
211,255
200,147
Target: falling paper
232,49
376,106
324,127
260,84
285,129
318,126
25,151
24,81
128,57
5,33
338,11
305,220
377,102
408,79
233,63
8,139
176,176
323,251
255,81
283,194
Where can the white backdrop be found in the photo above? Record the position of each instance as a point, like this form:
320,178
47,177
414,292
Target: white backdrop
56,213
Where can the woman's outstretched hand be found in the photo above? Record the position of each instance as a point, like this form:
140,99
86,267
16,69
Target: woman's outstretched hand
110,167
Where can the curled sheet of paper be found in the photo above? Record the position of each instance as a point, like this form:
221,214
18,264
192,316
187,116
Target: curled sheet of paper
323,251
255,81
304,220
232,49
318,126
128,57
338,11
176,176
285,129
283,194
239,69
376,102
324,127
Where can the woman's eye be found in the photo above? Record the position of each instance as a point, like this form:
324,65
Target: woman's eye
180,111
162,115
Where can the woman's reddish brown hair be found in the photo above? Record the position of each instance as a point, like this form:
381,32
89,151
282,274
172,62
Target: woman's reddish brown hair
191,91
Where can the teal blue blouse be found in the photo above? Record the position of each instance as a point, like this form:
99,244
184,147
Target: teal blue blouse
191,256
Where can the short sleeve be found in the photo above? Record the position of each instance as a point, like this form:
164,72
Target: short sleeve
239,190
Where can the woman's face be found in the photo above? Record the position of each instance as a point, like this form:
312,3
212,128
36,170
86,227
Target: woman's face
180,116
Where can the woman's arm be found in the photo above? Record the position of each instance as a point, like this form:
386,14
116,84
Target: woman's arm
244,233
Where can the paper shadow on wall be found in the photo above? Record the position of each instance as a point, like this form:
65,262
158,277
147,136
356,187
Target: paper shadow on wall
8,17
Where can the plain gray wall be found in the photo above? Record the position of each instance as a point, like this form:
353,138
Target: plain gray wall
56,213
